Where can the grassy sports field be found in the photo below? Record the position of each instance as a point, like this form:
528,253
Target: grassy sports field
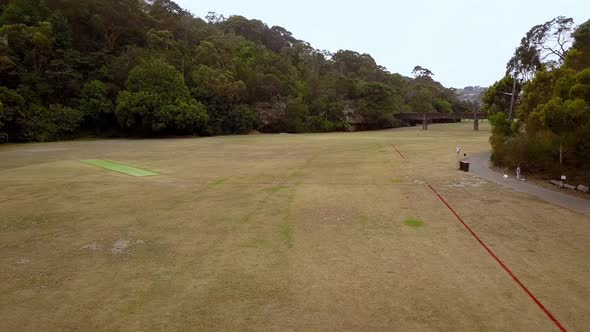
281,232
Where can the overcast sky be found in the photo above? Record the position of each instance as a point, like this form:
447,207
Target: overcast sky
464,42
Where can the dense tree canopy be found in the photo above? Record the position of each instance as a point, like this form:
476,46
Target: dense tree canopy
149,67
551,132
157,100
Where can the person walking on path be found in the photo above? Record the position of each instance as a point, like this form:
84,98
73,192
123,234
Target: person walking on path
518,172
458,149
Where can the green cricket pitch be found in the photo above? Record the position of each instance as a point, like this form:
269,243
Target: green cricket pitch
280,232
116,167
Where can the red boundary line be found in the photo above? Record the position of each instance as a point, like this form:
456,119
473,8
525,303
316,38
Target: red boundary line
404,158
526,290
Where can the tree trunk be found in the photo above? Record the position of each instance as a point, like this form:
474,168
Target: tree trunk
512,98
561,155
111,37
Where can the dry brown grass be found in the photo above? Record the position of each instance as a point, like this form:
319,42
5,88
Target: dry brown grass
279,232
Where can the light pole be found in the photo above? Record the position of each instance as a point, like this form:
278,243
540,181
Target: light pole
512,97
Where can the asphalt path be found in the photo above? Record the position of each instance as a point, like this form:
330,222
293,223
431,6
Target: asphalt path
480,166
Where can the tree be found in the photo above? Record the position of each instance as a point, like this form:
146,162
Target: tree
501,130
214,18
421,101
525,62
376,100
169,15
64,58
442,106
537,92
216,86
553,119
497,97
160,39
55,122
562,117
62,35
420,96
256,31
420,71
544,43
578,57
95,105
295,115
32,44
114,18
359,66
28,12
241,119
156,100
12,117
553,37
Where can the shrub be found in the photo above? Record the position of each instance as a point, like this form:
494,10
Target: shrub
318,124
442,106
241,119
94,100
56,122
388,121
157,101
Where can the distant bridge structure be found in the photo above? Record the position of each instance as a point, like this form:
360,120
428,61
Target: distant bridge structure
426,118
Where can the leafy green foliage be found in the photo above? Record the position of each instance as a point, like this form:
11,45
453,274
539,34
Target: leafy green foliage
24,12
377,100
387,121
497,97
544,44
295,115
578,57
422,99
241,119
91,64
420,71
157,100
54,123
442,106
95,103
553,119
216,85
12,116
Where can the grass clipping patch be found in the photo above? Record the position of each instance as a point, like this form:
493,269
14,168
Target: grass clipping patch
414,223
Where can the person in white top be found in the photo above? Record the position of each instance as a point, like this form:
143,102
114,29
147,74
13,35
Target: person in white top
458,149
518,172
